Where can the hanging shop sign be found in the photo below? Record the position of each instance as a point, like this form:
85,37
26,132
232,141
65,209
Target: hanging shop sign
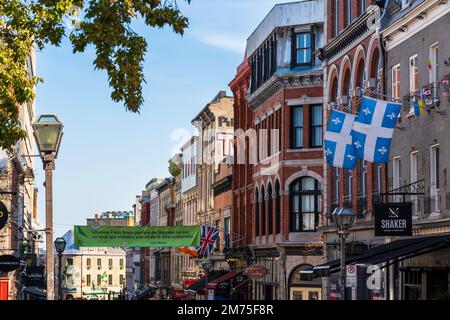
9,263
393,219
3,215
35,277
256,271
179,236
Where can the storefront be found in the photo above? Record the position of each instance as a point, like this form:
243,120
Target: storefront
196,291
267,286
416,268
304,290
233,285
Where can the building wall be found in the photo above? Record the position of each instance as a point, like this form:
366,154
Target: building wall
17,177
271,161
242,184
418,134
189,200
80,265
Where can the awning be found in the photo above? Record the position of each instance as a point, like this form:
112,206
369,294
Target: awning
35,291
242,284
226,277
143,295
395,250
200,284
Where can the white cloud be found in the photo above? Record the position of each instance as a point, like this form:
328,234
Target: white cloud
223,41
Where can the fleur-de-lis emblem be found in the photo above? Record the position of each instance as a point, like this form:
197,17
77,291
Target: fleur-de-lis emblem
358,144
351,157
391,116
336,121
366,111
328,152
383,150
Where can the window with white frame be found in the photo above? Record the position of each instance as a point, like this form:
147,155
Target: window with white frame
396,82
434,177
434,62
413,74
414,156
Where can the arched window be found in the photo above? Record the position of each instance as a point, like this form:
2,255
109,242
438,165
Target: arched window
305,206
374,73
256,213
263,211
360,76
277,208
334,90
269,193
346,84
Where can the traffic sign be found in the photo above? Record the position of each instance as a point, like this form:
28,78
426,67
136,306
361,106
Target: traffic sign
351,278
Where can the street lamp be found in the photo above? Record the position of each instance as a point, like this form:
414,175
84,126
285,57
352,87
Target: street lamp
60,246
48,133
344,219
207,266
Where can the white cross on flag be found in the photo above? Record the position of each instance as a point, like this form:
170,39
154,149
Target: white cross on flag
338,141
373,129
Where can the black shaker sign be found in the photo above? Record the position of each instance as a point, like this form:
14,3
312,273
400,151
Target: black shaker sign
3,215
9,263
393,219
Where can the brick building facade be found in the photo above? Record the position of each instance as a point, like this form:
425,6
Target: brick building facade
353,60
278,153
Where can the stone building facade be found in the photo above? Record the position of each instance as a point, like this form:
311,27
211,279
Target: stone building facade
189,199
417,45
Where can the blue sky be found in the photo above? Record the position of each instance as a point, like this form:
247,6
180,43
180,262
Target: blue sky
108,154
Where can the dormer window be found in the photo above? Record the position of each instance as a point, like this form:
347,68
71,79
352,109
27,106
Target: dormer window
304,47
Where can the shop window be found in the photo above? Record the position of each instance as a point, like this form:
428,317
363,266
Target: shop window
413,285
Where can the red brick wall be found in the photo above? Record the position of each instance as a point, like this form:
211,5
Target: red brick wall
367,57
242,174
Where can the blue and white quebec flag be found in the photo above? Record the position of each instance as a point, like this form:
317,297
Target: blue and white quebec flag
338,141
373,129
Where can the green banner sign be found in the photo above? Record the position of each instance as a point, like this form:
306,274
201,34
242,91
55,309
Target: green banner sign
180,236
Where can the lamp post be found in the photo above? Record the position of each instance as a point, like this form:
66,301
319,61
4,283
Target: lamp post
207,266
60,246
48,133
344,219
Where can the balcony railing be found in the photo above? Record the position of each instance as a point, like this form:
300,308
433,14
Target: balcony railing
432,94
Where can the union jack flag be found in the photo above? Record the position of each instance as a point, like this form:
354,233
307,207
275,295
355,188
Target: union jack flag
208,237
